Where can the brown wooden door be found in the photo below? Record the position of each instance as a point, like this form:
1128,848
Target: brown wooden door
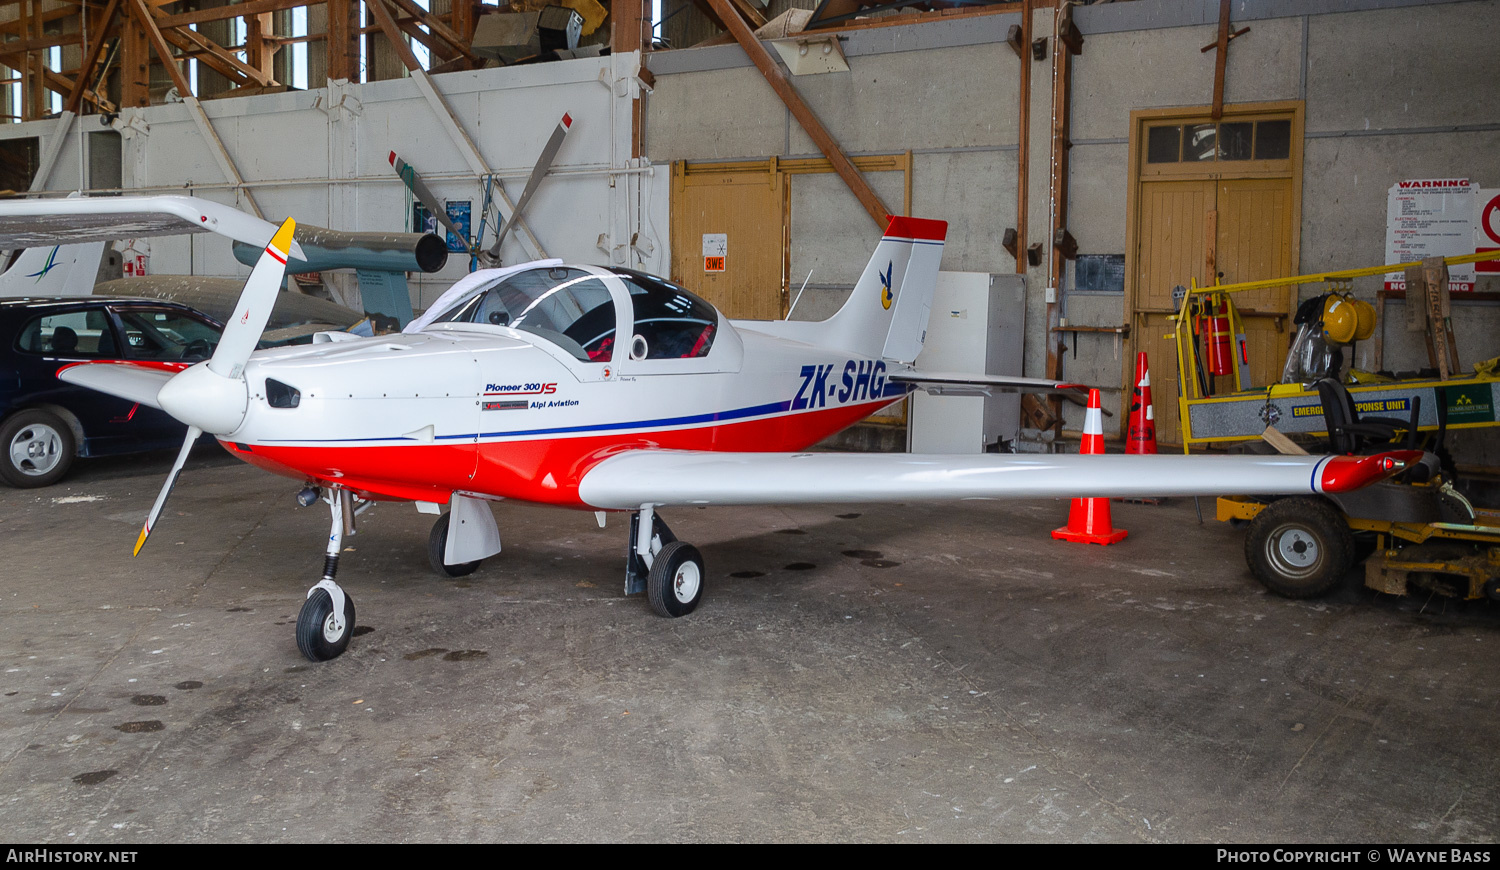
747,208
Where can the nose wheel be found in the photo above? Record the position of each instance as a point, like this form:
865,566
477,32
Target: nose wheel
327,619
324,629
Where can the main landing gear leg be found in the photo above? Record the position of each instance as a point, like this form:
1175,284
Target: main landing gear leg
327,619
669,571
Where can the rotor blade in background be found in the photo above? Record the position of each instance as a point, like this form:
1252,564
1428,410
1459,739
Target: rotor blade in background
427,198
161,498
243,330
543,165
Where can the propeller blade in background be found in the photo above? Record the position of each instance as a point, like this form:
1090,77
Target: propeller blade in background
543,165
161,498
253,309
426,197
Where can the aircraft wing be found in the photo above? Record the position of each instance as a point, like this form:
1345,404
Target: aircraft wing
129,381
961,384
31,223
627,481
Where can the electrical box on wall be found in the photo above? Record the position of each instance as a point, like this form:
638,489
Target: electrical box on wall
975,326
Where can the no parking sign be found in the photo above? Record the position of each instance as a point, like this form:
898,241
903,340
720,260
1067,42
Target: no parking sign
1487,230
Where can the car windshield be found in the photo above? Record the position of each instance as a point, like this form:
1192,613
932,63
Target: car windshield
166,334
568,307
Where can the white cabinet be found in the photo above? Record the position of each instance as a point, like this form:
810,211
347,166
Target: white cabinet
976,326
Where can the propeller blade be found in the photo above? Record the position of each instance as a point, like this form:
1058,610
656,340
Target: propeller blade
161,498
543,165
427,198
243,330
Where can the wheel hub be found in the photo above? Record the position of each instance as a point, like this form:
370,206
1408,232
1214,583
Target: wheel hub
1297,549
36,450
686,581
333,628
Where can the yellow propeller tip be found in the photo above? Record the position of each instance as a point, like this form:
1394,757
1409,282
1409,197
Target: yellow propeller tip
282,241
140,542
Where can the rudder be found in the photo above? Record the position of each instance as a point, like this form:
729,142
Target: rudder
886,315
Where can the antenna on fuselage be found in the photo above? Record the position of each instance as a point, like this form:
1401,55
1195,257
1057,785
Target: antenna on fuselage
799,295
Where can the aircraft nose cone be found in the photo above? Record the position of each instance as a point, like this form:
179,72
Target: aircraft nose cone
212,402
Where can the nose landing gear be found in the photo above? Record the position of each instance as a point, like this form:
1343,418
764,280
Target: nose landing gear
327,619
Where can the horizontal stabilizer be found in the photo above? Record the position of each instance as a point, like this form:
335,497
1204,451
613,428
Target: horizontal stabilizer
129,381
672,477
962,384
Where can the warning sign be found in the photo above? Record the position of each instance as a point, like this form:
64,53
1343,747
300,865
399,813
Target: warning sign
715,251
1487,230
1431,217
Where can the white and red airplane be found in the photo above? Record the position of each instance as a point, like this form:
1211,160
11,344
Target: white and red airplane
605,389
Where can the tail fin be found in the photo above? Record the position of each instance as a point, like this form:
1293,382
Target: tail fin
886,315
57,270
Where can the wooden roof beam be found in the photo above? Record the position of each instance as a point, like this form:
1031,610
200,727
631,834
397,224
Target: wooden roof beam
387,24
216,56
439,29
803,113
90,57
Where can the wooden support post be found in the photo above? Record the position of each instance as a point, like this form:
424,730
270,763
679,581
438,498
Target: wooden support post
343,40
1058,190
803,113
159,42
260,52
135,66
1023,149
1222,60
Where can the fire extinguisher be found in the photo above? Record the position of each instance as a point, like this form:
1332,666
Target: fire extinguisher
1220,351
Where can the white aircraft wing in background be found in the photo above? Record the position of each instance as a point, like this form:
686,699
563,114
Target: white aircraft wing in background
636,478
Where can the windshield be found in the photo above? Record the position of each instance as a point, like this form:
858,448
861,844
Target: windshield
568,307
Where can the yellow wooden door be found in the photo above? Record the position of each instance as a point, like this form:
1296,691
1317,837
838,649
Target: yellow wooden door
1254,242
1173,223
743,210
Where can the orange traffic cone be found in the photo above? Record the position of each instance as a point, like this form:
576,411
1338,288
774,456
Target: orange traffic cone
1140,435
1088,519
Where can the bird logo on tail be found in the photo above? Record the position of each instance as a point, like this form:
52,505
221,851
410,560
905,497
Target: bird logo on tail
886,297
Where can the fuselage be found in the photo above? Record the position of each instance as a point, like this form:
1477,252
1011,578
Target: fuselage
490,410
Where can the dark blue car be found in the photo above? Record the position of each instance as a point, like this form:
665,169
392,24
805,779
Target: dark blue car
45,423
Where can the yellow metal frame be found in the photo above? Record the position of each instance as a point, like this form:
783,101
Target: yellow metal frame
1188,392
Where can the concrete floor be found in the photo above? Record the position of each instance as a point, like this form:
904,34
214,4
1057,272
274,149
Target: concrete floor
967,679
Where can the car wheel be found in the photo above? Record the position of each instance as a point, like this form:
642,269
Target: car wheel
38,449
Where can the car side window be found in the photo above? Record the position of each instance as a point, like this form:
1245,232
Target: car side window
70,333
164,334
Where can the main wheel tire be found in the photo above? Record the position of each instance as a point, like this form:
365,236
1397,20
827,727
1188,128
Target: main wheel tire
1299,547
675,584
437,545
316,636
38,449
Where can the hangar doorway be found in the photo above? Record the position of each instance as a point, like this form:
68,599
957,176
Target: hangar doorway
1212,202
